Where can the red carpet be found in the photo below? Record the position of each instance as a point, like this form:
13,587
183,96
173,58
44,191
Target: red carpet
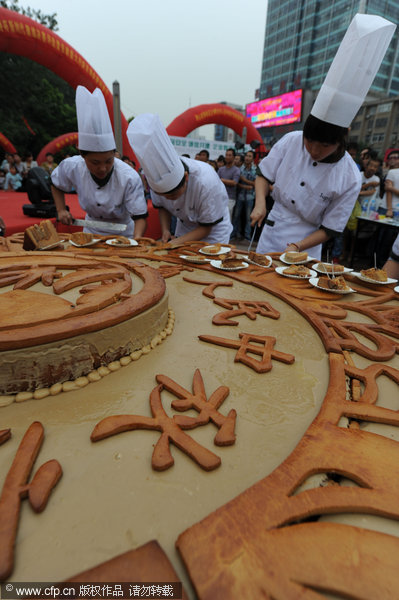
11,212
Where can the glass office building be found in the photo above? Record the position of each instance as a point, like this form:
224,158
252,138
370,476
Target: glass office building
302,37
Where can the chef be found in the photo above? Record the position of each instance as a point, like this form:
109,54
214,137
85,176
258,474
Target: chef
188,189
108,189
315,181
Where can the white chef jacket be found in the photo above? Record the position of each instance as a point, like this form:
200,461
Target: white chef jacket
117,202
307,194
204,202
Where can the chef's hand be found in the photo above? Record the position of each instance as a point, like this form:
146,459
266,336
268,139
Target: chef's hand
65,217
166,236
257,215
292,248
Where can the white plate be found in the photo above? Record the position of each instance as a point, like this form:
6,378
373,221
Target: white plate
258,265
218,265
131,243
369,280
280,271
396,289
197,260
84,245
317,268
223,250
51,246
315,283
301,262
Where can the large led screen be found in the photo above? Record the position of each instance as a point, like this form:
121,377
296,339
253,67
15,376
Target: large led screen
279,110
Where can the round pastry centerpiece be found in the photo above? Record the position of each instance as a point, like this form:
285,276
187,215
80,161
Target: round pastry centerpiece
65,315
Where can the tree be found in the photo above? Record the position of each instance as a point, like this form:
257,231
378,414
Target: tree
36,105
49,21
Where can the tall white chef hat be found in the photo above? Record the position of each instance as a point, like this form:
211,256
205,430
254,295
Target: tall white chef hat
150,142
94,124
353,69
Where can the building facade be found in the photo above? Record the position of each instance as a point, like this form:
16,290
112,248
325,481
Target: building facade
377,125
302,37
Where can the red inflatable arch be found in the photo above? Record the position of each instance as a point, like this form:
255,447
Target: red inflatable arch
204,114
68,139
24,36
6,144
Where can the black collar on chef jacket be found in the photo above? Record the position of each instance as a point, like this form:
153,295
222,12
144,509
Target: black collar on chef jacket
333,158
102,182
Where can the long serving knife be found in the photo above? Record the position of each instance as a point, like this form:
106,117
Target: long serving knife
101,225
252,238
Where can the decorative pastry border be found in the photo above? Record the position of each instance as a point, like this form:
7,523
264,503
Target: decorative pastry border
96,374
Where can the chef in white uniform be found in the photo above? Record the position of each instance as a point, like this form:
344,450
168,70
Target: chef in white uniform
108,189
315,182
188,189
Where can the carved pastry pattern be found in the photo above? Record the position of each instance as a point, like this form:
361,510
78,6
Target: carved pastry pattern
5,435
244,307
141,565
171,427
16,488
207,409
245,348
264,542
107,303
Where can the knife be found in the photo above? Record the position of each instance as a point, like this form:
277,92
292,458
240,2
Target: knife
101,225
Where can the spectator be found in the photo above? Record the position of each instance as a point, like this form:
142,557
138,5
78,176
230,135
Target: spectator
220,161
245,197
203,155
230,175
364,157
129,161
369,196
19,165
239,160
393,166
2,178
366,203
8,160
352,149
49,165
28,163
13,180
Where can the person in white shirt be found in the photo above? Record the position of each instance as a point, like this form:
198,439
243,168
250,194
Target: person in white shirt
315,181
369,195
315,186
188,189
108,189
392,192
392,162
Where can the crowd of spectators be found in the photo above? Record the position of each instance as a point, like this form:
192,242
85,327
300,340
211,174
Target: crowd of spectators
378,199
238,172
379,194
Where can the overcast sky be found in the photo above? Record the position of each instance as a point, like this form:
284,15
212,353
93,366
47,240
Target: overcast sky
167,55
